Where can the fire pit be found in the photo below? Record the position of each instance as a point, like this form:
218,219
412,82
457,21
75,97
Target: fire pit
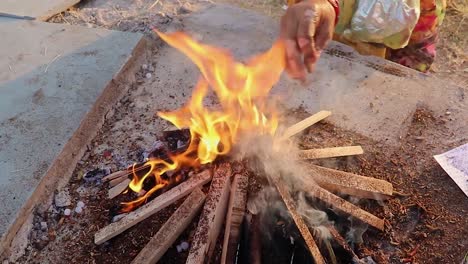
227,147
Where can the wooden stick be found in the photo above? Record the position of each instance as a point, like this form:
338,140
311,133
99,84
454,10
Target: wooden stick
152,207
234,218
115,175
116,181
212,217
255,241
330,152
171,230
342,205
301,225
118,189
298,127
343,244
349,183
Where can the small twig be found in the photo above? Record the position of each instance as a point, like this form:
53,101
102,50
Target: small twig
397,193
47,67
64,19
154,4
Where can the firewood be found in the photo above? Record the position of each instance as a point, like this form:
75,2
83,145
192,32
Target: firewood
330,152
118,189
234,217
116,181
341,205
351,184
298,127
255,241
343,244
115,175
152,207
301,225
172,229
212,216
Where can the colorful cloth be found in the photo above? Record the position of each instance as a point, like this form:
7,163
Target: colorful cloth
420,52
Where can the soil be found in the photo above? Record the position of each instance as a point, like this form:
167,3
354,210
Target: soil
425,221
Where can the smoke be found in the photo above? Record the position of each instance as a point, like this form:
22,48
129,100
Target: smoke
273,158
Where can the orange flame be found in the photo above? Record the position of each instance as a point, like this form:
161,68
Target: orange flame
242,91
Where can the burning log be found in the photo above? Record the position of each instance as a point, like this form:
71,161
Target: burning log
255,241
298,127
118,189
152,207
330,152
342,205
172,229
350,183
301,225
234,218
212,216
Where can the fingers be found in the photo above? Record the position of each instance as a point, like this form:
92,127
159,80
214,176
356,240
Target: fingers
325,28
294,66
305,38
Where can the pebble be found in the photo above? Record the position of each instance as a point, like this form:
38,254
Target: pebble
448,113
78,210
179,248
43,226
62,199
67,212
81,191
80,204
148,75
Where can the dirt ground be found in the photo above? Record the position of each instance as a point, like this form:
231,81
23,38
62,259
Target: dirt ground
426,221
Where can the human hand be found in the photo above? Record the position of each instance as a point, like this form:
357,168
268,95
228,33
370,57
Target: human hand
306,28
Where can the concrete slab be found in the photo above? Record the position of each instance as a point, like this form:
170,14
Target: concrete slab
369,95
56,85
32,9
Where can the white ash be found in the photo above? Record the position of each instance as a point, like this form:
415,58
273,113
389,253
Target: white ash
62,198
180,144
184,245
118,217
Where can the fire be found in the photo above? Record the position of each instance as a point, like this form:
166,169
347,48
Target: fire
242,91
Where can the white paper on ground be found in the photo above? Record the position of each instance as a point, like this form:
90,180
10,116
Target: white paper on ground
455,163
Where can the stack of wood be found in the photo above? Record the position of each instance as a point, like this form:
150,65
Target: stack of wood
226,201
